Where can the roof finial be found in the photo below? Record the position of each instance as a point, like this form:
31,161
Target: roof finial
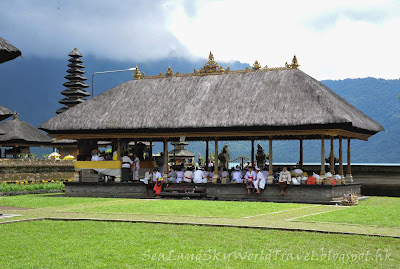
169,72
211,57
211,66
137,74
15,115
294,64
256,65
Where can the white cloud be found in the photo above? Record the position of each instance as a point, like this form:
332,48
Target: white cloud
332,39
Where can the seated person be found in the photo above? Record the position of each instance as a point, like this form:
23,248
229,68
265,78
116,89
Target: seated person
237,176
172,175
198,176
265,172
210,174
95,154
188,175
179,175
224,175
147,177
260,181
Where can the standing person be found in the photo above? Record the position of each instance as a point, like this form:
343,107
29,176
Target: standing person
284,178
136,167
179,175
250,177
126,167
188,175
237,176
260,181
158,181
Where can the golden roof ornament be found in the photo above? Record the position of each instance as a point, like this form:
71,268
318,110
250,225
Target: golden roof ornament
294,64
256,65
169,72
137,74
211,66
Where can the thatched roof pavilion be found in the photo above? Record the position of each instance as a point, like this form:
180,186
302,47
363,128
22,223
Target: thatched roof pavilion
214,103
18,132
7,51
5,113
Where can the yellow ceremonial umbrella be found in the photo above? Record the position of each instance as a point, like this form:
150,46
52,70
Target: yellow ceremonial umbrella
69,157
55,155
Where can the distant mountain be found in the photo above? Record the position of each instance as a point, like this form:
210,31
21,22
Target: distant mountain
32,87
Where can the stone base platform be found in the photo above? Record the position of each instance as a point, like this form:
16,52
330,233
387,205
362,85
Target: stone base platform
320,194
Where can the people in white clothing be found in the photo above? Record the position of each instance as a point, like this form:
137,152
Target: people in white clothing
224,176
147,177
237,176
284,178
126,167
260,181
188,176
172,176
198,176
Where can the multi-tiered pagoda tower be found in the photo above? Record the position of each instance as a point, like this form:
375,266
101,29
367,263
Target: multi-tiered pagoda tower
76,93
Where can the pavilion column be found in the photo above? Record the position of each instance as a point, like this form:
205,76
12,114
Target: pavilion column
349,177
301,154
118,178
165,156
270,178
332,159
207,153
340,157
151,150
322,173
215,177
252,152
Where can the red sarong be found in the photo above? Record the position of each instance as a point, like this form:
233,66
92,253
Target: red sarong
157,188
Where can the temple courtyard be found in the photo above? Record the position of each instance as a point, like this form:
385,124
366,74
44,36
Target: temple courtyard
52,230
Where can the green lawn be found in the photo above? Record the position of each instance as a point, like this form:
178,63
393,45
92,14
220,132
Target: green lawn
380,211
191,208
46,200
85,244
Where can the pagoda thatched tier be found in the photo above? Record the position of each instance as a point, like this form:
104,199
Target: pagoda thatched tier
5,113
7,51
215,104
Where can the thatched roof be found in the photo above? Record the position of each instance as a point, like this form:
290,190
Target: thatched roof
21,132
254,100
181,153
5,113
7,51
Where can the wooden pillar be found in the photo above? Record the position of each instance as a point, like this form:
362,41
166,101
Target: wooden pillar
340,157
252,152
349,177
165,156
207,153
332,160
151,150
322,173
216,160
301,154
270,178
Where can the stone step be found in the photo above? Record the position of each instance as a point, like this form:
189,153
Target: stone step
181,194
184,189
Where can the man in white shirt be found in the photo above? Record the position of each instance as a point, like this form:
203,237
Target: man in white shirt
126,167
260,181
179,175
237,176
136,167
224,176
198,176
188,175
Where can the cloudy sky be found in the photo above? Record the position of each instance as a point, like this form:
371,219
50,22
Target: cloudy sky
332,39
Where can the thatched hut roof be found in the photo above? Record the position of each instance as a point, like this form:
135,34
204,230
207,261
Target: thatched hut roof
284,99
7,51
5,113
181,153
21,132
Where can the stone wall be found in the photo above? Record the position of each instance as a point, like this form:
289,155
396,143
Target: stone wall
35,169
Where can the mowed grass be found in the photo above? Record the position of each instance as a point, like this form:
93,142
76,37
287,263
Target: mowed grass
85,244
379,211
190,208
47,200
198,208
